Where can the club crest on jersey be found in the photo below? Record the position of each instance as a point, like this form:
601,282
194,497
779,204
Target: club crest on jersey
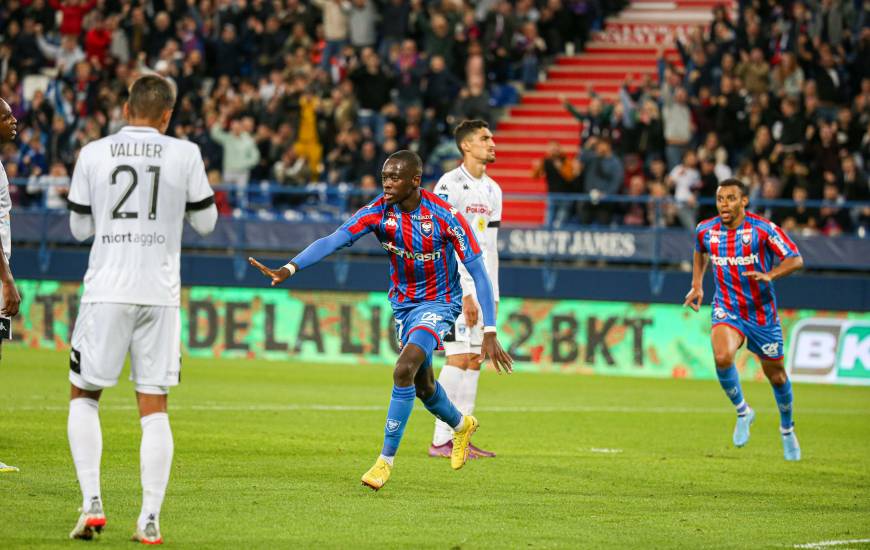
747,237
481,224
426,228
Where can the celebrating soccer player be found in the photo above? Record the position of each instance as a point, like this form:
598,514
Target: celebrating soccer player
9,298
477,197
741,247
423,235
132,192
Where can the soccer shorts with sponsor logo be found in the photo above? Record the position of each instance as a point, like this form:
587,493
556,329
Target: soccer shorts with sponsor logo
764,341
105,332
433,317
464,339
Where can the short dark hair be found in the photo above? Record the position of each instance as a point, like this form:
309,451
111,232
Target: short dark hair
408,157
734,182
466,128
150,97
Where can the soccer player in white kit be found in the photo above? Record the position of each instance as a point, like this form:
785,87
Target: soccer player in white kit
9,298
132,191
477,197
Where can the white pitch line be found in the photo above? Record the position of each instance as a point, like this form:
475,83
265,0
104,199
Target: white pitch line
828,543
279,407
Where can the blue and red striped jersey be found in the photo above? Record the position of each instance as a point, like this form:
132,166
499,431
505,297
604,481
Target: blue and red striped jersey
751,247
422,245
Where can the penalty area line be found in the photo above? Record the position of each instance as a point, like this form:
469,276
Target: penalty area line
830,543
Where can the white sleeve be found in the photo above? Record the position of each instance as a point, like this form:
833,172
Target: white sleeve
492,242
79,197
200,208
203,221
81,225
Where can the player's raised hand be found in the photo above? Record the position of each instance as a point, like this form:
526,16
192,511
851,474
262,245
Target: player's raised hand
278,276
469,310
758,276
11,299
694,299
492,348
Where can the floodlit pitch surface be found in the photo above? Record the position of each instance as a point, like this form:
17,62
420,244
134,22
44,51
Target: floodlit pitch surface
269,455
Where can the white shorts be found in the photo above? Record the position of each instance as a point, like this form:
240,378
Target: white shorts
105,332
462,339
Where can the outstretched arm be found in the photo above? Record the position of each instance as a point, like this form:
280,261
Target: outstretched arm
316,251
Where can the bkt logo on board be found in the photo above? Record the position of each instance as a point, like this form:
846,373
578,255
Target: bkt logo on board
835,351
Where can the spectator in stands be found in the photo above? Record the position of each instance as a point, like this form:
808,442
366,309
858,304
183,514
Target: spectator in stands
684,180
562,174
53,186
528,47
362,20
754,71
634,213
500,26
834,220
65,56
603,175
72,13
799,217
292,172
787,79
240,152
335,28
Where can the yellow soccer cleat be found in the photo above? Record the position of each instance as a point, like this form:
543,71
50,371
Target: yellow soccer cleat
5,468
378,474
461,441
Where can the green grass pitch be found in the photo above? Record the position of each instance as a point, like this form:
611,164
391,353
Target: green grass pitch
269,455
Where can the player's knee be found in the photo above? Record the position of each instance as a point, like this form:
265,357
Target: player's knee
724,359
403,374
776,376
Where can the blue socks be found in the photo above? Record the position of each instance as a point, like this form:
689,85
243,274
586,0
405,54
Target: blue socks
443,409
401,405
784,400
402,401
729,379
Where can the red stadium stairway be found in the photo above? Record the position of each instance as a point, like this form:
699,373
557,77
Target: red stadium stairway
627,45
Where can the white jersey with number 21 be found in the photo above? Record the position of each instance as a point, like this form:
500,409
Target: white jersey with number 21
137,184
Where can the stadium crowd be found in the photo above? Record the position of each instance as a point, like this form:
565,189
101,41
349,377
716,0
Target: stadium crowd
293,91
779,98
286,90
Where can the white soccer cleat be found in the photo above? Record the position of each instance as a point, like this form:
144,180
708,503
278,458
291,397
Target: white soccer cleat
90,522
150,534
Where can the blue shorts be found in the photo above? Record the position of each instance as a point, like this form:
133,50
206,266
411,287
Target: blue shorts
764,341
433,317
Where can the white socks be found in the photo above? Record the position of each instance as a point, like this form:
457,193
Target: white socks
155,455
467,394
451,380
461,388
86,446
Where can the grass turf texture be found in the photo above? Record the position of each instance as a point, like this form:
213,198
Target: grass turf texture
262,460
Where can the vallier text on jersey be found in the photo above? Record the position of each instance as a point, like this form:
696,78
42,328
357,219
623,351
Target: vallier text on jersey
136,149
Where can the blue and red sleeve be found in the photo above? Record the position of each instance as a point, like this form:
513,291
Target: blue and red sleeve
364,221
